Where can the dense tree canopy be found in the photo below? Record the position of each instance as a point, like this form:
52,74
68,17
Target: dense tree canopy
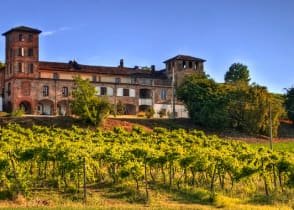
230,105
204,100
289,103
237,73
86,104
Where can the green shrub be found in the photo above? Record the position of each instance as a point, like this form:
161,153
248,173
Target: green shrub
17,113
162,113
150,112
3,114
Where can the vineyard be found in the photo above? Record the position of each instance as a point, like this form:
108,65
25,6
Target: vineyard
198,166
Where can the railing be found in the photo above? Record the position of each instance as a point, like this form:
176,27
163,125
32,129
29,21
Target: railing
145,101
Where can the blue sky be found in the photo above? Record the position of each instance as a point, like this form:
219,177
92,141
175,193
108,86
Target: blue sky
257,33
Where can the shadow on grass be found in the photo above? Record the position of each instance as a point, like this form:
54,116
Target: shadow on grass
122,192
188,196
262,200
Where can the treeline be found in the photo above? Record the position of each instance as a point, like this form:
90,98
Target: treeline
234,104
54,158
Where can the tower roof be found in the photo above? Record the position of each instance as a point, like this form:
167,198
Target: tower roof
185,57
22,29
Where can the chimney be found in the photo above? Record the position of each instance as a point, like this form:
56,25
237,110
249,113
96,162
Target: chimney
121,63
152,68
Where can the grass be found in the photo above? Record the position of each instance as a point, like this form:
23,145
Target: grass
279,146
108,197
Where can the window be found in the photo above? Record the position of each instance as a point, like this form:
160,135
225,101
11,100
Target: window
103,91
21,51
64,91
20,67
20,37
94,78
190,64
9,89
30,37
163,94
133,80
55,76
195,66
30,68
45,90
30,52
11,52
117,80
184,64
126,92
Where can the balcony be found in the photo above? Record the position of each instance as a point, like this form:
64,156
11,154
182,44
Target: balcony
145,101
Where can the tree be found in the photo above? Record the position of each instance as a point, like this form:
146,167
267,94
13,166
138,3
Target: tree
231,105
1,64
237,73
204,99
248,108
86,104
289,103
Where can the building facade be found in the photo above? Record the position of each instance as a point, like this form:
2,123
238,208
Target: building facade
41,87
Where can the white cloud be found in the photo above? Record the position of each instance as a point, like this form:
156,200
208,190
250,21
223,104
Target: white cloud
50,33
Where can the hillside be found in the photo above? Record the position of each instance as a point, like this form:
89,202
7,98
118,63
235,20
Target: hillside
286,130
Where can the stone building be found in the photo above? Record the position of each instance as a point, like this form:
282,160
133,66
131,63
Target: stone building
41,87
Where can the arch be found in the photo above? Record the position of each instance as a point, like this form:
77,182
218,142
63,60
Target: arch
144,108
26,107
63,107
45,107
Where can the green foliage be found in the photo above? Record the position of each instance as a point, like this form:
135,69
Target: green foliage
289,103
86,104
204,100
231,105
237,73
162,113
190,163
150,112
17,113
120,108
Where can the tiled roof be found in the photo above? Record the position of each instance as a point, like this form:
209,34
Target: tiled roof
75,67
185,57
23,29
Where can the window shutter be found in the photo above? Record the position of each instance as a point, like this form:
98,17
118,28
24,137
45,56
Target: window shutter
132,93
119,92
109,91
98,92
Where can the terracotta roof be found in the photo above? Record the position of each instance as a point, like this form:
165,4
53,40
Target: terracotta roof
185,57
23,29
76,67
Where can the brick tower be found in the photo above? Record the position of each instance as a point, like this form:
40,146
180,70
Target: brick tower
22,60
